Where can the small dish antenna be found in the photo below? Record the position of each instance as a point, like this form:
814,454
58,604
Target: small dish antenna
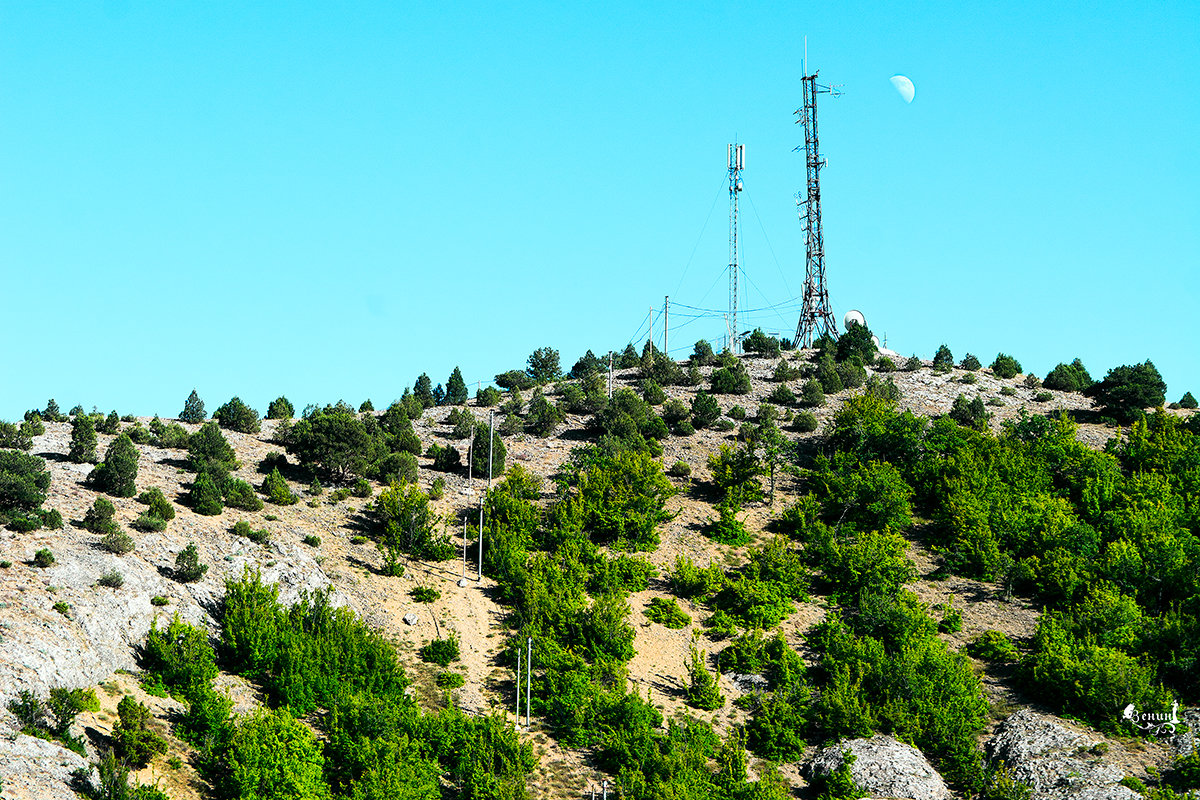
854,317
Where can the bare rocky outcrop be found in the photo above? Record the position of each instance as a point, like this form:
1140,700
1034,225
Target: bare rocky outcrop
35,769
1056,762
884,767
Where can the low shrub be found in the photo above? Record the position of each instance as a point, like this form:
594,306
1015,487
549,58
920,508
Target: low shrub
667,613
992,646
117,542
440,651
159,600
43,558
424,594
148,522
188,568
63,608
437,489
113,580
680,469
450,680
1043,397
805,422
312,540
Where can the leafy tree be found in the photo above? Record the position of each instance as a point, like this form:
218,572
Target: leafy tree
1187,401
423,391
117,475
543,416
133,741
857,342
406,525
487,397
828,375
480,452
110,424
705,410
366,406
759,342
158,504
702,353
812,394
1005,366
280,408
193,409
702,691
188,568
209,451
272,755
12,436
970,363
99,518
456,389
617,498
514,379
23,482
943,359
52,412
237,416
587,364
735,473
277,490
970,413
628,358
1128,389
913,364
732,379
205,497
336,442
543,365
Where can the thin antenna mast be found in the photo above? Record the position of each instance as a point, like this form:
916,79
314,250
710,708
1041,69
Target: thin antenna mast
816,316
737,162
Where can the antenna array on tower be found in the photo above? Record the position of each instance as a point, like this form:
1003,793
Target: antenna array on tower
816,315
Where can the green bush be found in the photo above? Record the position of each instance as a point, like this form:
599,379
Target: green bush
1127,390
731,379
913,364
440,651
688,580
705,410
1187,401
188,568
449,680
193,409
992,646
110,424
83,441
113,580
280,408
277,490
1005,366
43,558
1043,397
970,413
406,525
702,691
487,397
543,416
133,741
437,489
970,363
480,452
159,600
667,613
424,594
781,395
680,469
1008,391
240,494
147,521
99,518
943,359
117,474
237,416
204,497
117,542
759,342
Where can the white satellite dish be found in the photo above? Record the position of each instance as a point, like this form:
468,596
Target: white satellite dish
854,317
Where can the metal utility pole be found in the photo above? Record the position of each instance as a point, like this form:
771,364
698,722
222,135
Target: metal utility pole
650,336
737,162
610,374
816,315
666,320
518,687
528,678
464,545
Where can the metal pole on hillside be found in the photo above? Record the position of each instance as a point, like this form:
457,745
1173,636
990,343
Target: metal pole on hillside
528,678
518,687
666,322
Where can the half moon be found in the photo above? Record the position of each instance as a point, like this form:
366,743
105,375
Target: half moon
905,87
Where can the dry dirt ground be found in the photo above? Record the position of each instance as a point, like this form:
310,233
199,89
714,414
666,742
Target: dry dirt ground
97,633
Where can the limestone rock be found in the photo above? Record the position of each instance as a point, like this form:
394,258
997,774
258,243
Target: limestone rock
1055,761
35,769
884,767
410,618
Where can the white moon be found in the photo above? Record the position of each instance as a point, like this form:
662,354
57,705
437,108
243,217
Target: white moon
905,87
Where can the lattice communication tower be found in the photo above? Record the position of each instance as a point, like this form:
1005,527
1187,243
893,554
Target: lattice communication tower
816,315
737,162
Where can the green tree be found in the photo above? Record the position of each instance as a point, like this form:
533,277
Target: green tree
943,359
205,498
702,353
188,568
705,409
480,452
543,365
117,474
970,363
334,442
1005,366
970,413
272,756
110,424
52,412
193,409
702,691
23,482
407,525
133,741
423,391
158,504
1187,401
456,389
857,341
587,364
99,518
732,379
237,416
209,451
83,440
277,490
281,408
1071,377
1129,389
759,342
543,416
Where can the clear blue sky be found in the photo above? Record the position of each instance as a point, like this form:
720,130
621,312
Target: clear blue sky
325,200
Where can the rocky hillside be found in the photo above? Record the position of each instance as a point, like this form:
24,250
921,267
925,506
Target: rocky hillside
60,626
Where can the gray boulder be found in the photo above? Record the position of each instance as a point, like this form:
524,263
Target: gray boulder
884,767
1057,763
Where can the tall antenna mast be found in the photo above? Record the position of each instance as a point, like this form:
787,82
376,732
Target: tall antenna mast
737,162
816,316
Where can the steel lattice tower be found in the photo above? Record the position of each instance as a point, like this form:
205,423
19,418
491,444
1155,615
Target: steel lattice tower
737,162
816,315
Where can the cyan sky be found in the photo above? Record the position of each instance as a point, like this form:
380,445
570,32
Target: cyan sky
325,200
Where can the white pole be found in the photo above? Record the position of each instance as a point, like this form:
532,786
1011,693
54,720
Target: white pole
491,438
528,678
610,374
518,687
666,325
464,545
